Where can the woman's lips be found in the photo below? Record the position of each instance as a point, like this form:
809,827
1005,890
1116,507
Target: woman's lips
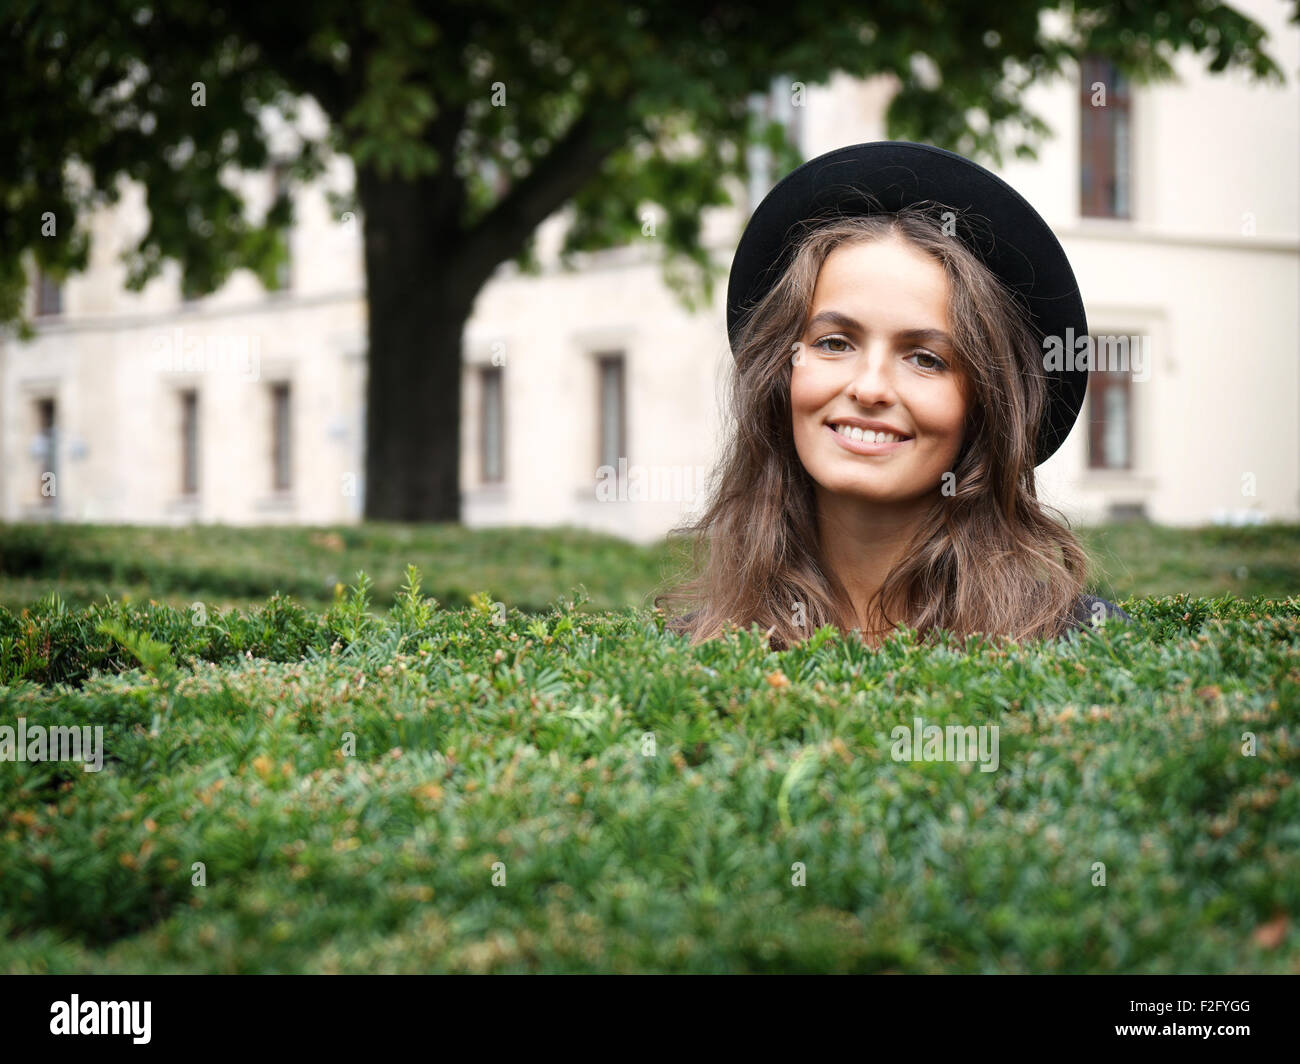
862,447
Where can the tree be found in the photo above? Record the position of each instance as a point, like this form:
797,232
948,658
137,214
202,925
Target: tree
469,123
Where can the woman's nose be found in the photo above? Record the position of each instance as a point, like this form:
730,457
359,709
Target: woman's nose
872,380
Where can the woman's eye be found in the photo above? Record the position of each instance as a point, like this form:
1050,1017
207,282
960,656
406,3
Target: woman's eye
832,340
935,361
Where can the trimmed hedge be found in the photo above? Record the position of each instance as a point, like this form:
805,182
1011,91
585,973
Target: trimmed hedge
350,784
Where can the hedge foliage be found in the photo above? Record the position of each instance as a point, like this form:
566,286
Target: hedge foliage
350,781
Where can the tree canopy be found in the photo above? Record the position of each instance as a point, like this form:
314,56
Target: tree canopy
470,123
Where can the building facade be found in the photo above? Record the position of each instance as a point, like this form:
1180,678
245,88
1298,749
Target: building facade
592,398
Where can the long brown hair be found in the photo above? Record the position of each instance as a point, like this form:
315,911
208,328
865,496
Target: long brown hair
988,557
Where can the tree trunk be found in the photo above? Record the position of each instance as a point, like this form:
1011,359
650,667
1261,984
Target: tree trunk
418,302
422,276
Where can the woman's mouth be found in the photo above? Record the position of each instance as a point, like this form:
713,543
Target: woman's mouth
871,442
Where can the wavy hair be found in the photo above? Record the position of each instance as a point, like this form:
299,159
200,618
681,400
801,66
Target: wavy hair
989,557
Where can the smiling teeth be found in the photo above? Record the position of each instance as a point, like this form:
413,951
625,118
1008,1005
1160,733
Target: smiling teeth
866,435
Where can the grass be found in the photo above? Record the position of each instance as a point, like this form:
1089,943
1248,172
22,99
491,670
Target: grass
223,566
528,568
401,784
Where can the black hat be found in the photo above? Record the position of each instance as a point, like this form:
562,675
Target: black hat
993,220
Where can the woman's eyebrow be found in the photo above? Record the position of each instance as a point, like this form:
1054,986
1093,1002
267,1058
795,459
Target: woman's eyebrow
926,336
840,320
837,319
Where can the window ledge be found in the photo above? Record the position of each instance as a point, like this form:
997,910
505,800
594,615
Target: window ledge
1102,222
39,512
277,503
1117,478
587,493
184,504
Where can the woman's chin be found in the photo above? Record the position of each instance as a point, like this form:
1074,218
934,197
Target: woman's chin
876,489
867,489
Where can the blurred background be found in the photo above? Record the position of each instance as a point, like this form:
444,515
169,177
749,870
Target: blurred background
429,287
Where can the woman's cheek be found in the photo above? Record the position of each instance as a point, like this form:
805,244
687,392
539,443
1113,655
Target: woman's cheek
804,401
949,422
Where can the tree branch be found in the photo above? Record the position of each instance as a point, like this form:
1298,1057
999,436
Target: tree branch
600,130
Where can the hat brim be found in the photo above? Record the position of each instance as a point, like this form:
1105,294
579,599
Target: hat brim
997,224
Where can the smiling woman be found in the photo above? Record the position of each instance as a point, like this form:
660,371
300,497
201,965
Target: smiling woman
877,419
889,404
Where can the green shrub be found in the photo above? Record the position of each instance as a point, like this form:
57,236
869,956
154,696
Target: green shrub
49,643
349,783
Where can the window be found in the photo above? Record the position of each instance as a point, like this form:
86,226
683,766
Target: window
279,187
189,442
777,104
1105,137
1127,511
491,426
281,452
46,450
49,295
611,411
1110,420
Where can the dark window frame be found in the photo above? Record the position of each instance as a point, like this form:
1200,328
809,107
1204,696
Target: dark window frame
606,362
1105,186
47,425
281,436
189,400
1100,384
492,390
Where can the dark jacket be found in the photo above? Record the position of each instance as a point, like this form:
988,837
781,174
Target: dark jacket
1080,618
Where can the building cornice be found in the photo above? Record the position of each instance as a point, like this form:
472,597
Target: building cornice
627,256
183,314
1128,233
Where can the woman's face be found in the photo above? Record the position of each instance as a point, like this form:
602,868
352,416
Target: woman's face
876,354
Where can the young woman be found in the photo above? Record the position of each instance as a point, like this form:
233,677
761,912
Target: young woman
891,311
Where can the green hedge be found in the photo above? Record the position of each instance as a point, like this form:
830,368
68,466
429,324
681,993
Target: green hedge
528,743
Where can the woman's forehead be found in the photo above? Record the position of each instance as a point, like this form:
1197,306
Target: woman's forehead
883,286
